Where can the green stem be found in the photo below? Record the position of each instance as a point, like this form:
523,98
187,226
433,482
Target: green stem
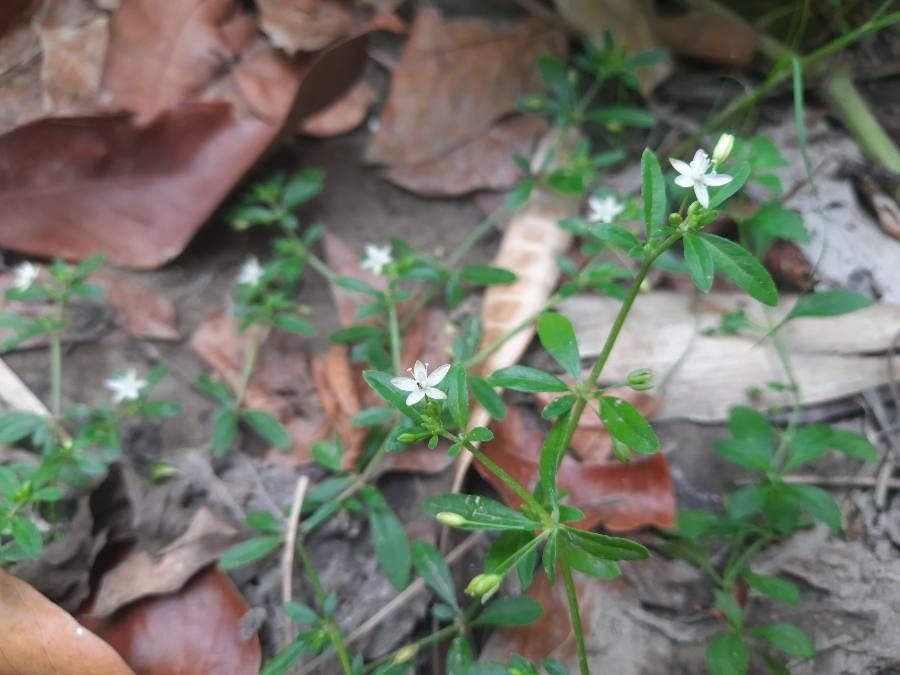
730,575
794,384
319,266
334,631
394,330
256,336
575,614
56,364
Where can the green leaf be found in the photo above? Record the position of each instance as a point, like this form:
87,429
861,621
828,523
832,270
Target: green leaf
512,611
743,453
519,195
389,539
434,571
300,613
605,547
787,638
458,396
263,521
828,303
371,417
224,430
737,182
566,181
267,426
27,536
726,603
356,285
773,221
727,655
693,524
294,324
852,444
582,561
550,556
248,551
552,452
481,434
698,261
558,406
746,501
741,267
525,378
353,334
283,661
480,513
554,667
487,275
807,444
381,383
459,656
557,335
622,114
488,397
215,389
627,425
14,426
329,454
653,189
779,589
817,502
302,187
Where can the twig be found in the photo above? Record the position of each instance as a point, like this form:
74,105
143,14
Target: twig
397,602
834,481
287,558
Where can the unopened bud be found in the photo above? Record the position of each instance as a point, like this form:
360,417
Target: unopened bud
451,519
484,586
675,219
621,451
405,654
640,379
723,149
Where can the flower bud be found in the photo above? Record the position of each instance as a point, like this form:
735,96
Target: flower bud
675,219
451,519
723,149
484,585
621,451
405,654
640,379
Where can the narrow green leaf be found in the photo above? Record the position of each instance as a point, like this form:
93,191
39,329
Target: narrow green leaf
627,425
284,660
479,513
16,425
300,613
487,396
356,285
779,589
653,189
580,560
787,638
552,452
605,547
329,453
263,521
852,444
828,303
512,611
727,655
224,430
698,261
458,396
371,417
27,536
267,426
434,571
381,383
557,335
622,114
487,275
741,267
302,187
817,502
740,177
248,551
295,324
527,379
389,539
558,406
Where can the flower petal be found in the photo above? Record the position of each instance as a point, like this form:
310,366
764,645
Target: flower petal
433,393
420,372
438,375
716,179
684,181
700,163
702,193
404,383
680,166
415,397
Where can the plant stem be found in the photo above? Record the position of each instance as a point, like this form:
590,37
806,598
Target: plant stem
394,331
56,364
729,575
256,338
319,266
334,631
785,360
436,636
575,614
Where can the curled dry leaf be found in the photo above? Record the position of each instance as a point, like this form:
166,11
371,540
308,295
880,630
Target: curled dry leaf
142,573
342,116
195,631
483,163
456,79
709,37
37,637
620,497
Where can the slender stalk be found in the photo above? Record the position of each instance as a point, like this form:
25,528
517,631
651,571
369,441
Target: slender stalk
334,631
794,384
319,266
256,338
575,615
394,333
413,647
55,373
730,575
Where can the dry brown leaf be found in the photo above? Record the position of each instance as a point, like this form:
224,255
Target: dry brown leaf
342,116
621,497
483,163
196,631
709,37
788,265
72,64
456,79
141,573
38,638
303,25
144,313
338,383
628,21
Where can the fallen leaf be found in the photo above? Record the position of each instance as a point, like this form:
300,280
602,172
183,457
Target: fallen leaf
621,497
303,25
144,313
338,384
39,638
142,573
630,25
21,96
483,163
344,115
709,37
788,266
195,631
72,64
455,80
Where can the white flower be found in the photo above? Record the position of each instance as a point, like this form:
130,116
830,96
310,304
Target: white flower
377,258
421,384
694,175
604,210
125,386
24,275
251,272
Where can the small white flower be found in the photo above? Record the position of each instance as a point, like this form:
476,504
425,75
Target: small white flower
24,275
421,384
251,272
125,386
694,175
377,258
604,210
